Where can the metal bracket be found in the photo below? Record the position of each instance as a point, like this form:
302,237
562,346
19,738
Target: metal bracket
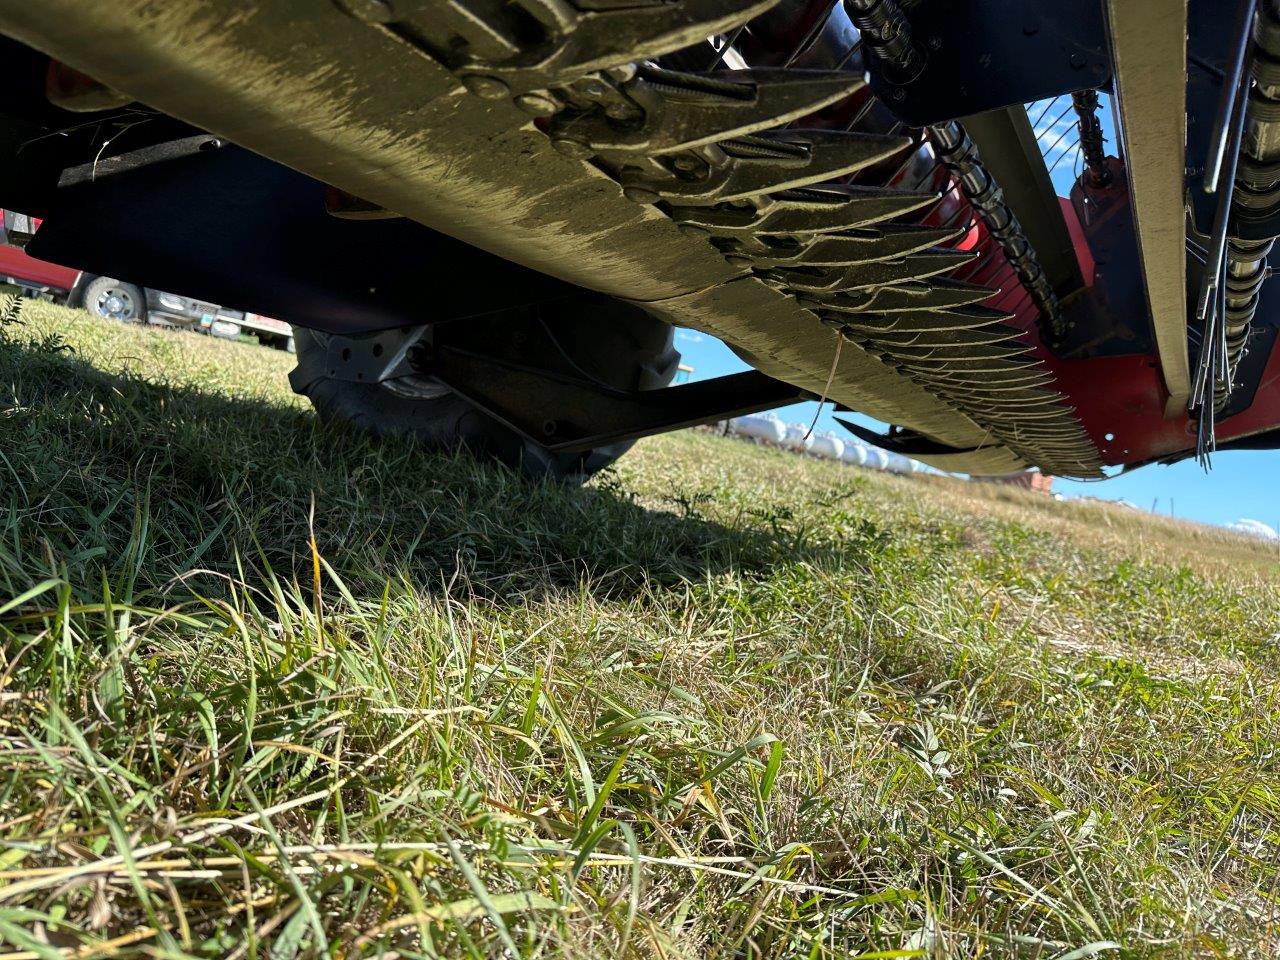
979,55
908,444
503,364
375,357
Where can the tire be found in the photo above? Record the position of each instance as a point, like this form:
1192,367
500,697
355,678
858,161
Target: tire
115,300
616,343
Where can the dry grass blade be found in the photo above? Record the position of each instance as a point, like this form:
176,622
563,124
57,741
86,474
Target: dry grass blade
270,689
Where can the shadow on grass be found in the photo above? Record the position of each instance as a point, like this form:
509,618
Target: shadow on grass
156,480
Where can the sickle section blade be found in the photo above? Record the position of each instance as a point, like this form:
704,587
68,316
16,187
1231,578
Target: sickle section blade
905,297
766,163
673,111
890,241
960,354
959,318
942,338
576,39
918,266
826,209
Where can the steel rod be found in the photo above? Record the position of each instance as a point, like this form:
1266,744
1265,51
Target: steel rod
1230,82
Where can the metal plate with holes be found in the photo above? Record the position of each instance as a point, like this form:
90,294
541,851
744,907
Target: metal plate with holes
373,358
984,54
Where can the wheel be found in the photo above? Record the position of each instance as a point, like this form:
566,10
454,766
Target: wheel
616,343
115,300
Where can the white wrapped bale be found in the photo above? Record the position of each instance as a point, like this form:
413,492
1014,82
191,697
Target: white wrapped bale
766,427
827,446
855,453
797,438
897,463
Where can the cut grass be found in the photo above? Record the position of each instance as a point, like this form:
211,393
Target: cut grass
270,689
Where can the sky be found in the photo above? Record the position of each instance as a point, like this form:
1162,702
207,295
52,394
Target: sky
1241,483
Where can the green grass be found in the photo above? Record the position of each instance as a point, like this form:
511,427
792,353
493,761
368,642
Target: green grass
270,689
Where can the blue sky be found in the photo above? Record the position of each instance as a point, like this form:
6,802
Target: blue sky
1239,486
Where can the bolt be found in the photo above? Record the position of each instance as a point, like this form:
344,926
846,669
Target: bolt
935,43
620,111
640,195
537,104
899,94
574,149
420,355
1077,61
486,88
370,11
550,428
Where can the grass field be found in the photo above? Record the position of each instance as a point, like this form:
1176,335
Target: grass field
268,689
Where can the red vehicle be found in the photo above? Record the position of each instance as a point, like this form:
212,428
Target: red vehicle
36,278
119,300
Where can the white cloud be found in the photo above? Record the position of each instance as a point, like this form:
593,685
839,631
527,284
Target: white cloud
1255,528
688,336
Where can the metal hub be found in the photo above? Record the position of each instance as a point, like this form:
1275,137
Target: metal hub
117,304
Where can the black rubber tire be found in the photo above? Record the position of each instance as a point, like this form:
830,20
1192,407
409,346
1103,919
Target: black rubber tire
98,287
614,342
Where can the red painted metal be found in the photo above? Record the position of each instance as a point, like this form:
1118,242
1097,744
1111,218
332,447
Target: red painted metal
15,263
1120,400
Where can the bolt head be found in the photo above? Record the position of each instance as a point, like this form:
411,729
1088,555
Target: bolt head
640,195
537,104
574,149
620,111
487,88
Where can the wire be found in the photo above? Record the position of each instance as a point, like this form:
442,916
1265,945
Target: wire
831,375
